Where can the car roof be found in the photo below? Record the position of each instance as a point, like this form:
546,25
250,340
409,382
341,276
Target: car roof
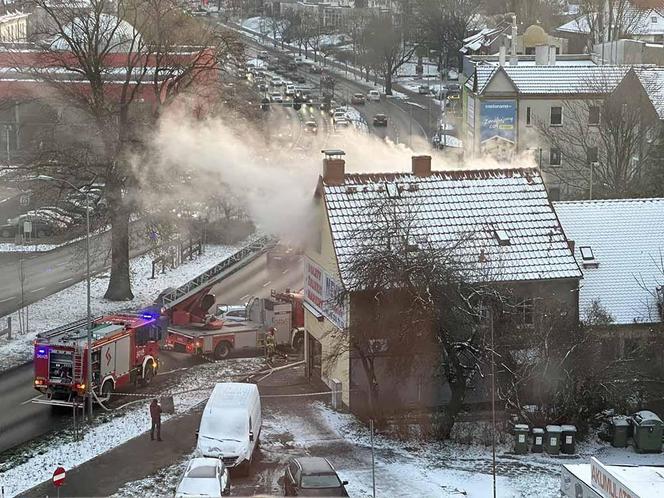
314,465
202,462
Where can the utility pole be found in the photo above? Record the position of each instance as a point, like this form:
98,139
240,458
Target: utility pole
373,461
590,189
493,403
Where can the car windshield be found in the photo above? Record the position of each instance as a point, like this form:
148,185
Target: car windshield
204,471
228,425
320,481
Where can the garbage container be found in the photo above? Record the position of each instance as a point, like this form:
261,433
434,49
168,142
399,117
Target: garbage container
521,439
538,440
619,431
552,439
647,432
568,439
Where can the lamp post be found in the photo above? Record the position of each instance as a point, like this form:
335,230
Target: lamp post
88,381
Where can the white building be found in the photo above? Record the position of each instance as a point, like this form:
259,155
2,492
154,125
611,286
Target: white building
14,27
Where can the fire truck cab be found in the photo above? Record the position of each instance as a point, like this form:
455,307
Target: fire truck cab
125,350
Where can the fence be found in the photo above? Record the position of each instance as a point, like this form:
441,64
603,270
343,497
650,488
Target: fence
8,330
172,258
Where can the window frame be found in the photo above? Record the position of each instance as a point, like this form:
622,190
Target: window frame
551,123
559,155
599,112
596,154
528,116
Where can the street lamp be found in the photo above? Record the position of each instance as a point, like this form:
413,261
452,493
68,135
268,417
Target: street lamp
88,382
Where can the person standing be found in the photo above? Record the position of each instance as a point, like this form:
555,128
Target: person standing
155,415
270,344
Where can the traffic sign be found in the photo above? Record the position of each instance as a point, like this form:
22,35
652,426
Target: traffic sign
59,477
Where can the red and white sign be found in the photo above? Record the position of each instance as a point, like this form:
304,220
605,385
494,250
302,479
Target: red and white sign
607,483
322,291
59,477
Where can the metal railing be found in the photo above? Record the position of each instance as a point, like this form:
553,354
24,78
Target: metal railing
232,263
7,330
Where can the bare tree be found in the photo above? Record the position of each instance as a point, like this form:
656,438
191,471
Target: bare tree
609,20
130,61
605,142
414,306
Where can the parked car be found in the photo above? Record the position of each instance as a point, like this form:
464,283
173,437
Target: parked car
373,95
276,97
424,89
204,477
380,120
311,127
231,313
231,424
312,476
357,99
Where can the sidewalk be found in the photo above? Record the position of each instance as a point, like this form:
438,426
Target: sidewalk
141,457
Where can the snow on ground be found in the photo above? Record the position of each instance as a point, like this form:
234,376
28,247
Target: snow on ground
11,247
357,119
69,304
162,483
192,388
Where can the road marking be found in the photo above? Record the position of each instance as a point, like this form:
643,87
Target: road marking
244,297
267,283
31,399
37,290
8,299
65,280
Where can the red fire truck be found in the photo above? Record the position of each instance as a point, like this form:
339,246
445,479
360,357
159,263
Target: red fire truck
200,333
125,350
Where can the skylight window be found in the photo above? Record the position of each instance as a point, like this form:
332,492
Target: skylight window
392,190
587,253
502,237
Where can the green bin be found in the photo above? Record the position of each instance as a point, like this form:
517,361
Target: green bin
568,439
619,431
521,439
538,440
647,432
552,439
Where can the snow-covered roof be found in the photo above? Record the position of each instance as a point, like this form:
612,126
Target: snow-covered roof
557,79
625,237
652,79
485,37
639,22
477,207
115,35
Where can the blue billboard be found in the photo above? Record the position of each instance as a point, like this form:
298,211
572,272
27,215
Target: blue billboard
498,121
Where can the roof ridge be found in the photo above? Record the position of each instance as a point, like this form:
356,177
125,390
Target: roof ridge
601,201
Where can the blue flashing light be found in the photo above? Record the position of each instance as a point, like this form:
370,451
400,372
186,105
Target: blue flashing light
41,351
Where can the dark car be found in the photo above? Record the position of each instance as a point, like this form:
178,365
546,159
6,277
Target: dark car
299,78
312,476
358,99
380,120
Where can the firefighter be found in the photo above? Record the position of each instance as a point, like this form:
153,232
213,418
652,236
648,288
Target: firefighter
270,344
155,415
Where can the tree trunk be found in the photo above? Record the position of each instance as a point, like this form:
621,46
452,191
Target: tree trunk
450,412
388,83
119,285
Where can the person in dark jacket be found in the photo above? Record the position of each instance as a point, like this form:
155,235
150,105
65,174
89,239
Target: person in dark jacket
155,415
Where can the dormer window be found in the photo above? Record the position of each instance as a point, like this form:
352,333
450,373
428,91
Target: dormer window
588,257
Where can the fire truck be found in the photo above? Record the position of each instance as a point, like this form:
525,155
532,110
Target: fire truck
125,351
192,329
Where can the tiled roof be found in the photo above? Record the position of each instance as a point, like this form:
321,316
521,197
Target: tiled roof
627,240
558,79
636,21
449,206
652,79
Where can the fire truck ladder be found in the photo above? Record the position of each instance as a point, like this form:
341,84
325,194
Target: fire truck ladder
64,329
218,272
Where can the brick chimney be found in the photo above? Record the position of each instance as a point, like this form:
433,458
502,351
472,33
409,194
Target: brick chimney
422,166
570,244
334,170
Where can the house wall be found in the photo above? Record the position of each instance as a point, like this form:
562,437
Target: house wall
334,356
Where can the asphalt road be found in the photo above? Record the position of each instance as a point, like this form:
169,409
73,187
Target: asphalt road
22,421
46,273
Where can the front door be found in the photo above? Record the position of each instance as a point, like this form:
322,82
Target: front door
315,353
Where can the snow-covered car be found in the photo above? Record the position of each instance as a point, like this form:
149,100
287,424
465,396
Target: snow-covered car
204,477
373,96
424,89
312,476
357,99
276,81
277,97
311,127
290,89
452,74
231,313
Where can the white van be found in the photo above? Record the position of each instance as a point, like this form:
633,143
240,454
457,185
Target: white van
231,424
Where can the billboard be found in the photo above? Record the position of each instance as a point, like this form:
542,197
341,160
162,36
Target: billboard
498,126
321,291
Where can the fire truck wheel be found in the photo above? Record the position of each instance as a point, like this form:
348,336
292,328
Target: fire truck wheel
149,374
298,342
106,391
222,351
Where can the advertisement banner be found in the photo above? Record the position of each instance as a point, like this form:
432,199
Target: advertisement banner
321,291
498,125
606,483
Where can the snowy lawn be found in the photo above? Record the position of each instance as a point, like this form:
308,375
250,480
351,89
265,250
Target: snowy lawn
112,429
30,248
69,304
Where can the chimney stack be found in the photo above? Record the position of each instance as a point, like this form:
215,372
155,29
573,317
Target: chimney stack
422,166
334,170
541,55
502,55
514,60
570,244
552,55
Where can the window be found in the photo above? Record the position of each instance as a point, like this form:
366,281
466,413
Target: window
525,312
592,154
593,115
528,116
588,257
654,19
555,158
556,116
502,237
